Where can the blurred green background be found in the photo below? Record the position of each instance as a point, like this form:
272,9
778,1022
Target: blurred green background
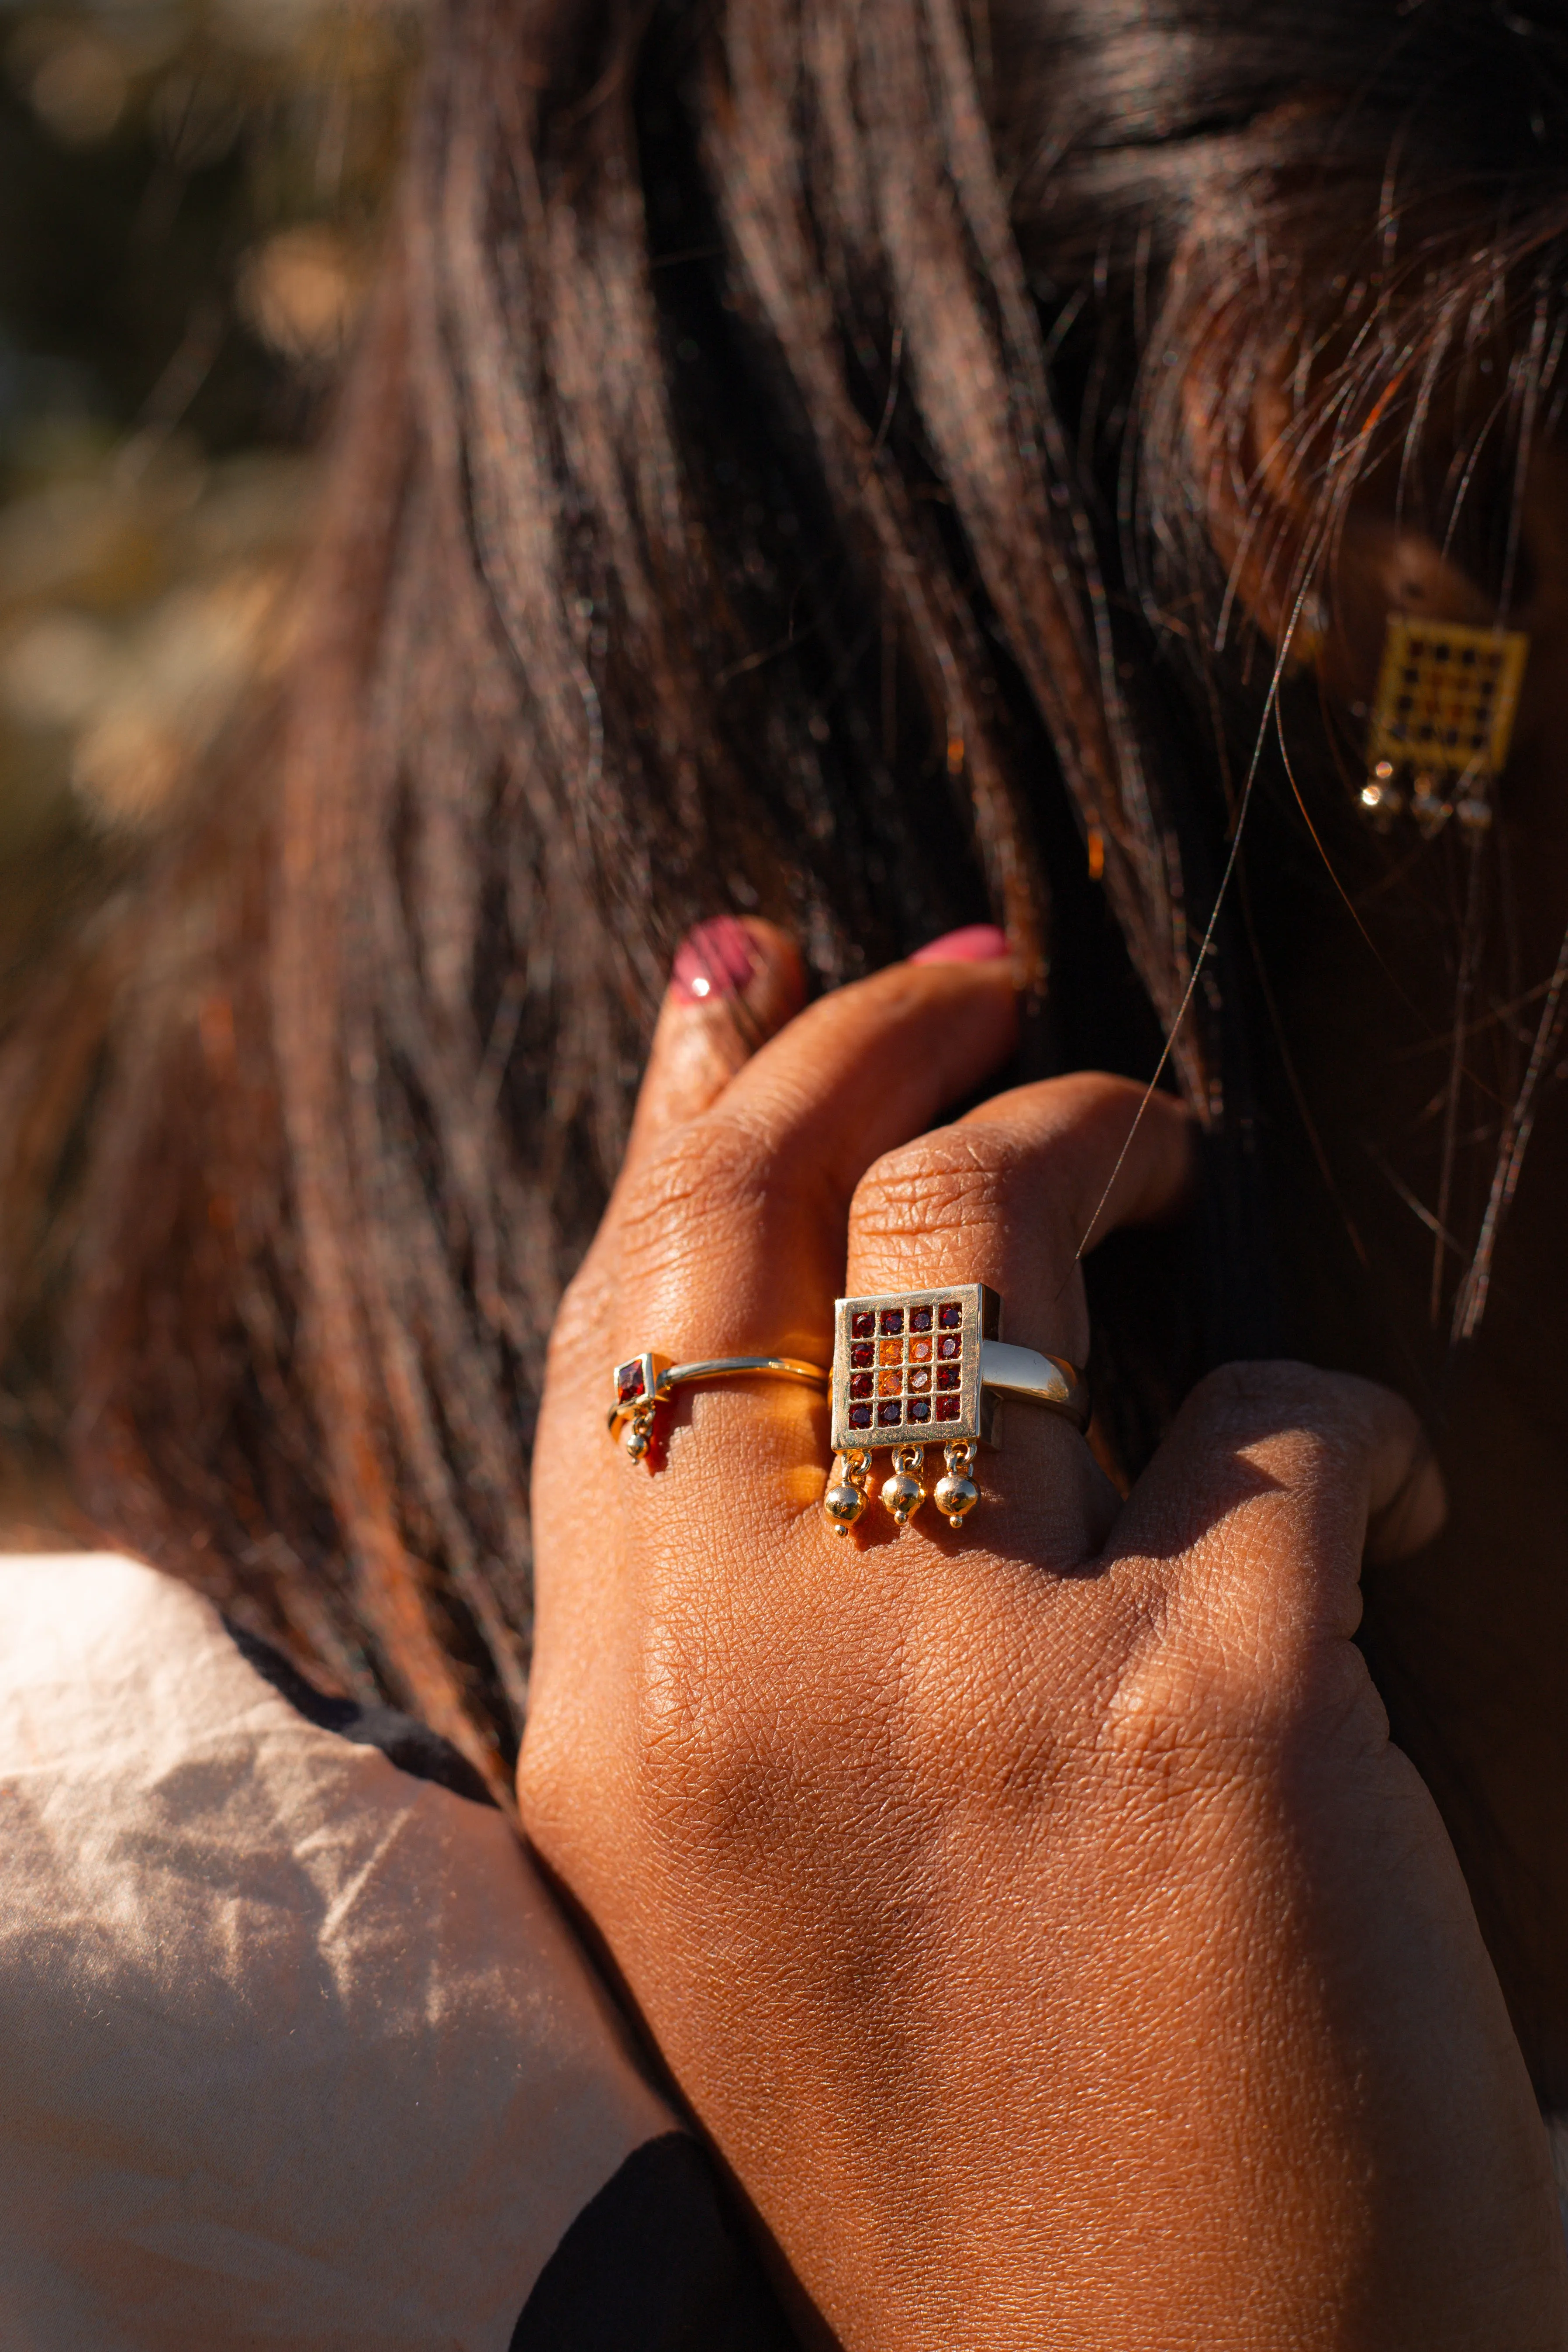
190,197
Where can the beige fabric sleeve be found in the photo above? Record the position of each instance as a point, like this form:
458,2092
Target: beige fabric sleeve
294,2048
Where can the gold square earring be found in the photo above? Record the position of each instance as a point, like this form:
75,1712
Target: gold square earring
1442,723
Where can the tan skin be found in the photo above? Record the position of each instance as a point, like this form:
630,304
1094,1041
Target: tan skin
1037,1915
1038,1919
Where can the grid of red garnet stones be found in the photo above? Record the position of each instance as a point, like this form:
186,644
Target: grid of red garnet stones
906,1365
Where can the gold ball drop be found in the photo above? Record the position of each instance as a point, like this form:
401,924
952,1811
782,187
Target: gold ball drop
843,1505
955,1497
637,1441
903,1495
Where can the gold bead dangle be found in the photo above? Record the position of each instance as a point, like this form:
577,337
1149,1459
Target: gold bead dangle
1430,810
957,1493
1380,800
638,1434
904,1493
1472,807
846,1497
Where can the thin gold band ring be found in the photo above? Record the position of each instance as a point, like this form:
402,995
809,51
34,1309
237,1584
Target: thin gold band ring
647,1381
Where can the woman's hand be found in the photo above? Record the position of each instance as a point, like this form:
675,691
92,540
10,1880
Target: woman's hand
1037,1916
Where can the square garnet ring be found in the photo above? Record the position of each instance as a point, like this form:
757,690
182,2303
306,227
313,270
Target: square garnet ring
924,1366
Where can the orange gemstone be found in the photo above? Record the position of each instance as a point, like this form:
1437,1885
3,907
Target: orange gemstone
892,1352
890,1383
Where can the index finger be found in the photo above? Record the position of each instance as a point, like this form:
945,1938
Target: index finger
731,1228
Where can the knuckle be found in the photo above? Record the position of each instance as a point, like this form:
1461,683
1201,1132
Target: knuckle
1167,1728
1246,1405
958,1178
1206,1693
1312,1427
1277,1385
705,1174
1175,1731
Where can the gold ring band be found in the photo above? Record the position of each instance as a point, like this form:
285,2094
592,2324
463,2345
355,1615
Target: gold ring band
647,1381
1050,1381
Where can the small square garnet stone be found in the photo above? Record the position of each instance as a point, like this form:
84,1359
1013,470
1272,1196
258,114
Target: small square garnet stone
919,1381
862,1356
950,1316
859,1416
628,1382
890,1383
949,1376
919,1319
859,1384
919,1408
947,1408
891,1413
892,1319
862,1326
950,1345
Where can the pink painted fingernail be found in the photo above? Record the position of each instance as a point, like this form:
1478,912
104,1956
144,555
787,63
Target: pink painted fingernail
715,960
976,943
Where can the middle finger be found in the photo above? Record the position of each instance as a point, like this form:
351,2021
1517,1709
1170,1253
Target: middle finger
1005,1197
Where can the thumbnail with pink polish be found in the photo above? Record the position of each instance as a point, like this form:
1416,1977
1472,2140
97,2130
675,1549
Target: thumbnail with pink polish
715,960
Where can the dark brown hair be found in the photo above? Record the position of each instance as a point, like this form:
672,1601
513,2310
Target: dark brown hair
763,482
